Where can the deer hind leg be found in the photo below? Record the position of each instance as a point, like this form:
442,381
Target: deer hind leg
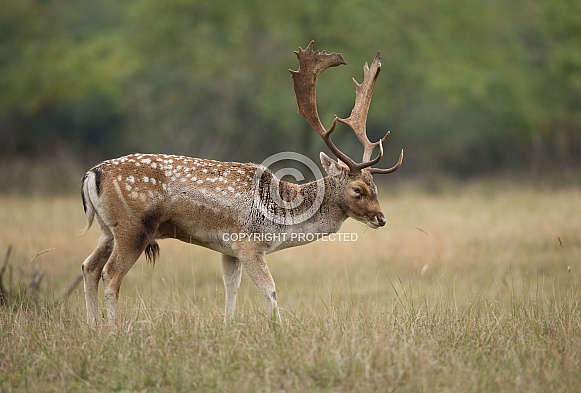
232,274
257,270
129,245
92,268
121,261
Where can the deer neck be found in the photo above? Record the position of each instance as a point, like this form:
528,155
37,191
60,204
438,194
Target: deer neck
318,212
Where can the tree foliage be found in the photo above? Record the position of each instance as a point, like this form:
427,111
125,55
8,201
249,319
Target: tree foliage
466,87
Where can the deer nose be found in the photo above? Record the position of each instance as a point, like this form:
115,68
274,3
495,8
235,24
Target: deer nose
380,219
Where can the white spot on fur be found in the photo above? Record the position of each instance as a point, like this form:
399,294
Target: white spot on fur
146,179
153,165
153,181
130,179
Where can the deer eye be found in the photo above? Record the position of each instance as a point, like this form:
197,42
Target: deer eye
357,192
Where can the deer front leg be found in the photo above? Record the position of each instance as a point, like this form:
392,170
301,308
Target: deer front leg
232,274
255,265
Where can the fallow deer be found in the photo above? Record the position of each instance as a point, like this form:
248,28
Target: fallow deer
140,198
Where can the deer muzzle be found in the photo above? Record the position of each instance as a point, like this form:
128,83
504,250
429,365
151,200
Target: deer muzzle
376,220
380,219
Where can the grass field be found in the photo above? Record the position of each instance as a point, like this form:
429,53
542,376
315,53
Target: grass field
472,289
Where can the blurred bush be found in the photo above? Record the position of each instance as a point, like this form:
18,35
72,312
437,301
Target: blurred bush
467,88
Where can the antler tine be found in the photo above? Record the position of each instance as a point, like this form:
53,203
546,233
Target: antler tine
358,118
311,65
388,170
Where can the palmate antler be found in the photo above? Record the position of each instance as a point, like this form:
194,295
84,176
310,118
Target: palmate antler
311,65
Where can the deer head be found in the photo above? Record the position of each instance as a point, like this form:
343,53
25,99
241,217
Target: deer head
357,192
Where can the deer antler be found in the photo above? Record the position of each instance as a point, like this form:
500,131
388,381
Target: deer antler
314,63
311,65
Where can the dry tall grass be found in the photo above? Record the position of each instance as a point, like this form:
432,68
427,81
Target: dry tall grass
476,289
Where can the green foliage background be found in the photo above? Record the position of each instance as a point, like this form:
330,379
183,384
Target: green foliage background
467,88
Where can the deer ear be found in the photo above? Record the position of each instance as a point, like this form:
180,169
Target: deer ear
332,167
